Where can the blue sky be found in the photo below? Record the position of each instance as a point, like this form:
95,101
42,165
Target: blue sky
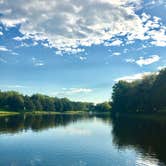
79,49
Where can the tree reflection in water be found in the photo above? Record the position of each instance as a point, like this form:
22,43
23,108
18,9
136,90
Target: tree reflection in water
146,136
18,123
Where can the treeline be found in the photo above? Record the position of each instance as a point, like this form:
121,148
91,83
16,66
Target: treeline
147,95
14,101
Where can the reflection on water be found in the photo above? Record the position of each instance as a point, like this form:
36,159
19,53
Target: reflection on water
17,123
145,135
65,140
14,124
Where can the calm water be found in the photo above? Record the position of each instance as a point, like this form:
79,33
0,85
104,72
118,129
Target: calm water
81,141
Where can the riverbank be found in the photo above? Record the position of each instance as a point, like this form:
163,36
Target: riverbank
9,113
6,113
55,113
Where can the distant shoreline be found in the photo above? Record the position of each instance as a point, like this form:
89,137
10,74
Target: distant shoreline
8,113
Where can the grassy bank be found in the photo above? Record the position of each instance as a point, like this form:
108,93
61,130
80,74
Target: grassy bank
9,113
55,113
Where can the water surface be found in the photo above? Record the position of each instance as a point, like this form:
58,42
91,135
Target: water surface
81,140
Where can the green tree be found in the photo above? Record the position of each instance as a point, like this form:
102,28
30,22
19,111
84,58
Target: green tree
146,95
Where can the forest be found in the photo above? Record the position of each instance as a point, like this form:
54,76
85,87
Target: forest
147,95
14,101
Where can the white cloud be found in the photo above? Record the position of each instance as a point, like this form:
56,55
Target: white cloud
114,43
11,22
68,24
23,42
161,67
145,17
37,62
77,90
3,48
159,43
83,58
130,60
14,53
147,61
18,38
134,77
144,61
116,53
1,33
71,91
158,37
148,30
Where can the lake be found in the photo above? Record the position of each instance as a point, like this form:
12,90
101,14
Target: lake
81,140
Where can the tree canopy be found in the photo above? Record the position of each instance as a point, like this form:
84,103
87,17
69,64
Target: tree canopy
145,95
14,101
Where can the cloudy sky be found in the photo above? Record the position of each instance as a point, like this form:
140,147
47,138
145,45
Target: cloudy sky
79,48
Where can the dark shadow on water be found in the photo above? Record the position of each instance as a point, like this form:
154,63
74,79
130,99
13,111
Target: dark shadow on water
146,136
